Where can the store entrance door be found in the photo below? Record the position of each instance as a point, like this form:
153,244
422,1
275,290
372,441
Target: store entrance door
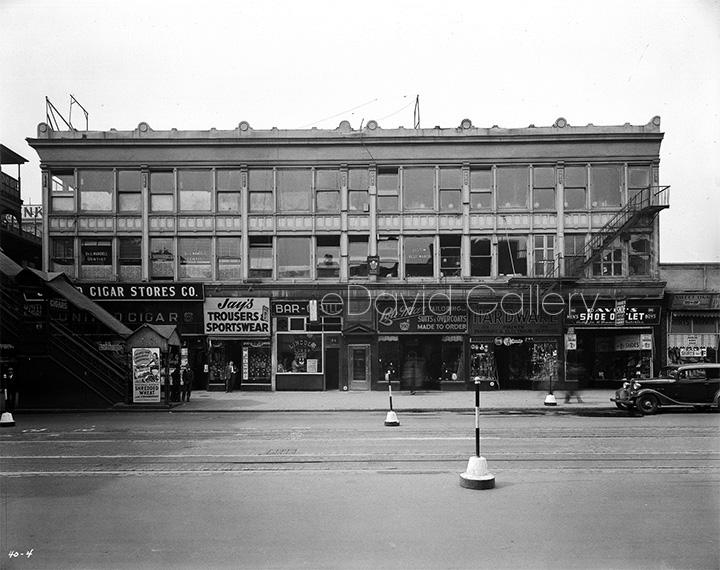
359,366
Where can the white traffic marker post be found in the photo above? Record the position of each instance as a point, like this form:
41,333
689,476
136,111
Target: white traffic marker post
6,419
391,419
476,475
550,398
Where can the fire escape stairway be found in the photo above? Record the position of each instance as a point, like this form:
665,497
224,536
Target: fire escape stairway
71,353
87,364
644,206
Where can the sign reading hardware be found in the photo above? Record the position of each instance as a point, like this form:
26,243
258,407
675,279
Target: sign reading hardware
237,316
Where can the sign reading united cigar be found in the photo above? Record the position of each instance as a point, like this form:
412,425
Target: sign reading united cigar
142,291
237,316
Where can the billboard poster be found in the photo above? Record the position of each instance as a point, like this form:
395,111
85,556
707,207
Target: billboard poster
237,316
146,374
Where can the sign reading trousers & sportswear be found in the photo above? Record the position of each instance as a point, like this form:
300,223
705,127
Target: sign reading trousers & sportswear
237,316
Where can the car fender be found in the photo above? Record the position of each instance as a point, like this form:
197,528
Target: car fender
662,398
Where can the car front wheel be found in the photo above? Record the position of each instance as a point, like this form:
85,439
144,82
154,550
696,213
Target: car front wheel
647,404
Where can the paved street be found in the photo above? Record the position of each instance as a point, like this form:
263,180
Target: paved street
341,490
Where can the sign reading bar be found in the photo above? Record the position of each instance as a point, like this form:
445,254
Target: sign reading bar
290,308
237,316
142,291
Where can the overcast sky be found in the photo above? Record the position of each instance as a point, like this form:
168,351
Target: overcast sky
293,64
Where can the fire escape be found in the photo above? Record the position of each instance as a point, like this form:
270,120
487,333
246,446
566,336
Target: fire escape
639,209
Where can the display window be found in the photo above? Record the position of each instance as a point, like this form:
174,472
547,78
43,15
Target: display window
515,362
300,353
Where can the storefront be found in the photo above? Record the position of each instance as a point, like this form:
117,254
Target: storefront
239,353
307,344
608,342
693,328
171,303
515,346
422,344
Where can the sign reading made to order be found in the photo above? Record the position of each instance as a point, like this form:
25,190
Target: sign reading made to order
237,316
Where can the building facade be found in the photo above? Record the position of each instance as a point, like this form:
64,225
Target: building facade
335,259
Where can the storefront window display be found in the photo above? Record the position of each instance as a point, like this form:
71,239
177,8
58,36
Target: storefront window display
299,353
250,363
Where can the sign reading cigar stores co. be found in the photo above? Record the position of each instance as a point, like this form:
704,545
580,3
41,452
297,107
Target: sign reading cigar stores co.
237,316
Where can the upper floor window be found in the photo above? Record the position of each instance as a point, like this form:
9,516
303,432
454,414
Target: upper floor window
62,191
130,258
228,254
605,185
62,255
293,190
229,191
418,188
260,188
639,255
162,191
450,258
544,255
357,256
638,180
387,249
481,189
129,187
418,256
609,264
575,188
543,188
260,260
480,257
358,200
96,259
194,256
574,252
96,190
451,190
327,191
512,256
387,189
162,259
327,254
195,190
512,187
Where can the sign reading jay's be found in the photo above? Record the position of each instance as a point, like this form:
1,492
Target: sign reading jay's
237,316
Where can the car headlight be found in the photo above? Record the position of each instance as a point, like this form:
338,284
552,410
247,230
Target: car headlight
636,385
626,385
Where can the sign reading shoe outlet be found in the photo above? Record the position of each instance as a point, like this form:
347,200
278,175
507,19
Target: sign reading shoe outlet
237,316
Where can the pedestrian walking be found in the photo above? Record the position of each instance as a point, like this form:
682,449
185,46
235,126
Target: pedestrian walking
230,375
413,372
572,381
175,384
187,383
11,393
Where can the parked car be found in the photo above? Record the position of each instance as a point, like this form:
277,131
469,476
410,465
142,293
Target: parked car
695,385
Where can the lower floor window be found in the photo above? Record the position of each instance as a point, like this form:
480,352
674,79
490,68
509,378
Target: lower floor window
299,353
96,259
63,256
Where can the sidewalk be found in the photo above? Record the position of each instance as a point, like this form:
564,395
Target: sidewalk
336,401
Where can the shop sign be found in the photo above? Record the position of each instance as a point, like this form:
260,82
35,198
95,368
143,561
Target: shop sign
630,342
696,301
187,316
620,307
290,308
142,291
692,345
245,362
96,255
606,316
237,316
422,318
110,347
515,321
146,374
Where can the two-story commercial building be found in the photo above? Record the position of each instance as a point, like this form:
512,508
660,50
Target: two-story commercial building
320,259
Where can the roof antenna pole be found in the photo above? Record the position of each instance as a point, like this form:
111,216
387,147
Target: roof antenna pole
416,113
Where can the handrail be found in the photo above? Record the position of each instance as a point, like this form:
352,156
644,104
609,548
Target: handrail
107,360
